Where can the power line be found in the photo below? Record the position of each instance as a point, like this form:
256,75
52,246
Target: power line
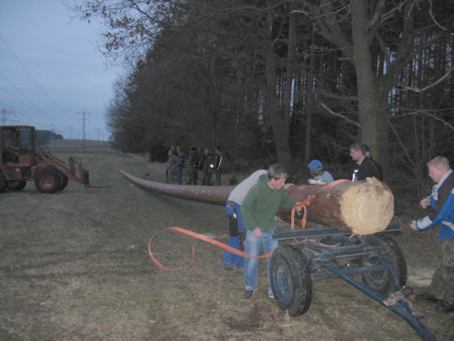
26,98
29,73
84,118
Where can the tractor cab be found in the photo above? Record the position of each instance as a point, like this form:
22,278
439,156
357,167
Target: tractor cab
21,161
17,145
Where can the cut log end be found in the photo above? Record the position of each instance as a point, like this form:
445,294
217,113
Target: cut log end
367,207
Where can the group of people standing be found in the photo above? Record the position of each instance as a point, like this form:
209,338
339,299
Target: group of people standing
253,204
207,162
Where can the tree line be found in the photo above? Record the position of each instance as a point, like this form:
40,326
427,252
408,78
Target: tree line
285,81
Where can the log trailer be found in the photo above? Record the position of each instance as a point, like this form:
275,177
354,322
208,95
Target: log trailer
21,161
348,238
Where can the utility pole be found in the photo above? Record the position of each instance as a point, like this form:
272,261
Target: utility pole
83,116
52,127
70,129
4,115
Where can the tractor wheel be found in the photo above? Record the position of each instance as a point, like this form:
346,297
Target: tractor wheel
291,280
63,181
47,181
3,184
382,281
17,185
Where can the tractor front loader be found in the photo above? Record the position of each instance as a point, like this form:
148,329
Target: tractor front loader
22,161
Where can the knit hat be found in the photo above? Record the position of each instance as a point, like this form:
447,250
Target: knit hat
315,164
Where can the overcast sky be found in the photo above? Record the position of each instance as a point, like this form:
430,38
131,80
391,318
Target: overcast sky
51,69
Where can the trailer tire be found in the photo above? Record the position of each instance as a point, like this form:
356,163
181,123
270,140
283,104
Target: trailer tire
382,281
290,279
63,181
3,184
17,185
47,181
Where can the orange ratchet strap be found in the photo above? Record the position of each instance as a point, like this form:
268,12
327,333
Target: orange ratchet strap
197,236
307,200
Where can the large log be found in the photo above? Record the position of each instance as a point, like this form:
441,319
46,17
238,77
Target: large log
364,207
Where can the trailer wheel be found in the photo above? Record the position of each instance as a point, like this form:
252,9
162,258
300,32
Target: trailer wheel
291,280
382,281
47,181
16,185
63,181
3,183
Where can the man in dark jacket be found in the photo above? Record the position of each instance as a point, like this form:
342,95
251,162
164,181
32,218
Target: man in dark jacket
181,158
365,167
207,166
218,164
194,159
441,203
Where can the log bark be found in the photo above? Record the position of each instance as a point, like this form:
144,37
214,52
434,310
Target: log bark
364,207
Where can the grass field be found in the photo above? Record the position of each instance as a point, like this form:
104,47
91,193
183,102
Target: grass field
73,266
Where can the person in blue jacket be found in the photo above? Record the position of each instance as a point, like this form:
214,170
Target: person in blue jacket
319,175
441,205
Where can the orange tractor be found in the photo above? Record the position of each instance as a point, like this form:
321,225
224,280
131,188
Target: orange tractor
21,160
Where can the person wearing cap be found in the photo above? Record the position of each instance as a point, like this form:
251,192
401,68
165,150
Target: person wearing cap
259,209
319,175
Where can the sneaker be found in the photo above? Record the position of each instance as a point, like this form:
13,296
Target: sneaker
444,307
229,267
425,296
239,268
248,293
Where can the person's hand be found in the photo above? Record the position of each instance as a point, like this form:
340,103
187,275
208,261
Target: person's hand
425,202
412,225
257,232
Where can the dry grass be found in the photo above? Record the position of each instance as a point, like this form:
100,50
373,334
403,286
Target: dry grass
73,266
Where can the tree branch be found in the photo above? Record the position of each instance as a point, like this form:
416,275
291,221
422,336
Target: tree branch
438,81
436,118
324,106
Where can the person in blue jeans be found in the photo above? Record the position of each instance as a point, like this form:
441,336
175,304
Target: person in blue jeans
258,210
236,225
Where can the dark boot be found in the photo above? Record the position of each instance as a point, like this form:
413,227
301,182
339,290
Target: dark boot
425,296
445,308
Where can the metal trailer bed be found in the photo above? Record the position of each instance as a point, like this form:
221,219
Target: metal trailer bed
372,264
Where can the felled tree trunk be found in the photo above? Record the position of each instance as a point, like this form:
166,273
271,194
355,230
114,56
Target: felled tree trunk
363,207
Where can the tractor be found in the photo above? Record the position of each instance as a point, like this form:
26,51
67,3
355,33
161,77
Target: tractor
21,161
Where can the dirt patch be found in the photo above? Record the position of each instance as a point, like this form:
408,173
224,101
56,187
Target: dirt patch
74,266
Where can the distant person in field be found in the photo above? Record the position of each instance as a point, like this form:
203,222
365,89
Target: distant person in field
181,159
218,164
236,225
441,212
207,166
365,167
171,163
319,175
194,159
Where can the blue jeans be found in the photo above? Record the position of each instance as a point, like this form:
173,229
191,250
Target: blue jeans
253,246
